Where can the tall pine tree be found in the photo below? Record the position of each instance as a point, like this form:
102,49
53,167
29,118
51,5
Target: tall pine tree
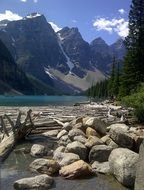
133,70
113,86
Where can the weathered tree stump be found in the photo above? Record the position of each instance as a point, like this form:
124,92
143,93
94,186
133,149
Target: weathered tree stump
18,131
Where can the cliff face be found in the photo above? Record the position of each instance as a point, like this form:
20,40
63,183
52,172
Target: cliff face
11,77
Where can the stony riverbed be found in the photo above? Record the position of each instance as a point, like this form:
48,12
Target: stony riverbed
16,166
50,122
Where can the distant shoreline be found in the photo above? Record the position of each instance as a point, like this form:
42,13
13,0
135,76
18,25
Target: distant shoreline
41,100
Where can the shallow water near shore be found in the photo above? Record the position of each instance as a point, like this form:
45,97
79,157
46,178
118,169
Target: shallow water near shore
40,100
16,167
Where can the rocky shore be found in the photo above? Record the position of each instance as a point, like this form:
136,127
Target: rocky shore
90,139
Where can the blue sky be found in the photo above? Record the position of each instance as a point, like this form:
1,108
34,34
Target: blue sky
94,18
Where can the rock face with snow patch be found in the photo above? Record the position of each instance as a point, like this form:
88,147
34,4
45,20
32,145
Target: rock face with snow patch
76,49
51,56
36,45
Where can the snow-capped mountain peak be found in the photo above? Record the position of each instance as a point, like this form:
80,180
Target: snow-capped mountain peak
33,15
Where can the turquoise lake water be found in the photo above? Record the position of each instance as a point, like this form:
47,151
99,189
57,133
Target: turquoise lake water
40,100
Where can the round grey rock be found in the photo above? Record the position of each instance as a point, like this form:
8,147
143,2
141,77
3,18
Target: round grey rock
99,153
77,148
122,163
38,150
40,182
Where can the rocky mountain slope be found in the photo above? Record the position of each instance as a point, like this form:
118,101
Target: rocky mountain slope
12,79
62,60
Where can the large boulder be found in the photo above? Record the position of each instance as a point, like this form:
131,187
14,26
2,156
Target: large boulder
77,148
79,126
76,170
122,163
38,150
80,139
45,166
65,158
137,141
75,132
139,182
64,140
59,149
92,141
101,167
106,139
119,134
91,132
40,182
123,127
96,124
100,153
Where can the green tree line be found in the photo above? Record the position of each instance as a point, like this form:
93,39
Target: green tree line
126,82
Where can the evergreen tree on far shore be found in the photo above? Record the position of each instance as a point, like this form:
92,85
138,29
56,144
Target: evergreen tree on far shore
133,68
99,90
114,80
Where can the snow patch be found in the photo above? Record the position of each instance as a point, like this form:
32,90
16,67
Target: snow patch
69,63
33,15
3,25
4,30
13,40
55,27
61,39
48,72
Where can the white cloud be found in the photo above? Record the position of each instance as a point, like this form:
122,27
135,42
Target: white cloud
122,29
120,26
35,1
55,27
103,24
74,21
24,1
8,15
121,11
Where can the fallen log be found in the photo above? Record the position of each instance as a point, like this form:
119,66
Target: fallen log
18,131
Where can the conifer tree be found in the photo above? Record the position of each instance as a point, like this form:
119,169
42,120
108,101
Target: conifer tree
116,82
133,69
112,78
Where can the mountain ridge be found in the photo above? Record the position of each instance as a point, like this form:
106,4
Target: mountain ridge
38,50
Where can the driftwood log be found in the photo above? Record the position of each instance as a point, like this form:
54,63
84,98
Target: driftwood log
16,131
